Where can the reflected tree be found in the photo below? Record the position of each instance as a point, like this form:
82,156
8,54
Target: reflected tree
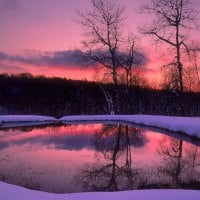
115,172
180,162
172,149
192,166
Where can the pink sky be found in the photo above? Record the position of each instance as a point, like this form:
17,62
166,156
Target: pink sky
41,27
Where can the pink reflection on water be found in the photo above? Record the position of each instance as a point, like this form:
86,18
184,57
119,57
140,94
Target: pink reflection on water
49,158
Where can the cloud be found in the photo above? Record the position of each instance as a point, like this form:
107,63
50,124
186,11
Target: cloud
50,59
62,59
3,56
76,142
6,68
68,142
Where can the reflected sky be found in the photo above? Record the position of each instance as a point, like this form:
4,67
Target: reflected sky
62,158
71,137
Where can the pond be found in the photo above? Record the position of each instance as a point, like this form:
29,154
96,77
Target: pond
97,157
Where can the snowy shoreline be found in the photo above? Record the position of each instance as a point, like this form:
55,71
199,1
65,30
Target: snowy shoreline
25,118
12,192
187,125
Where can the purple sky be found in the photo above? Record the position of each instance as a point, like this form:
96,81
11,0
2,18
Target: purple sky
43,25
47,25
33,29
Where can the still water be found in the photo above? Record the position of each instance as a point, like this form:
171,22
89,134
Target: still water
96,157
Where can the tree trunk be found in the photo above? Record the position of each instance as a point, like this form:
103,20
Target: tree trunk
114,75
178,169
179,64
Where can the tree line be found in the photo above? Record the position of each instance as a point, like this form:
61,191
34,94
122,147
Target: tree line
26,94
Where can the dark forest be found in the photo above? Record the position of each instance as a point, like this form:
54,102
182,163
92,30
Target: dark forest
25,94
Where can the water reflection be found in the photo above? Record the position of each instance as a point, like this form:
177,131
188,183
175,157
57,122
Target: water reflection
120,171
181,163
112,143
57,137
96,157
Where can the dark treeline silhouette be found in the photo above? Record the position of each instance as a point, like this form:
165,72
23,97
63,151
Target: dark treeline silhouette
25,94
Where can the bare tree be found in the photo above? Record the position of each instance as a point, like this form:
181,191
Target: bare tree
191,79
103,30
170,77
109,100
174,19
193,71
131,59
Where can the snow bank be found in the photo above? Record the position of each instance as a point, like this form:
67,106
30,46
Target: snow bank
11,192
188,125
25,118
25,124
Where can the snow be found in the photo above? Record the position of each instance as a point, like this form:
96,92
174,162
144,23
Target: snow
12,192
25,118
24,124
187,125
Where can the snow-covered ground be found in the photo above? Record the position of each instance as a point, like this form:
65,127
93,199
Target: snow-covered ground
24,118
188,125
11,192
24,124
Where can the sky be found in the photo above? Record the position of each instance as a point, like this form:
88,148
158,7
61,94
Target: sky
39,37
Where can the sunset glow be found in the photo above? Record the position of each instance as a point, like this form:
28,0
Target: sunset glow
30,28
99,98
